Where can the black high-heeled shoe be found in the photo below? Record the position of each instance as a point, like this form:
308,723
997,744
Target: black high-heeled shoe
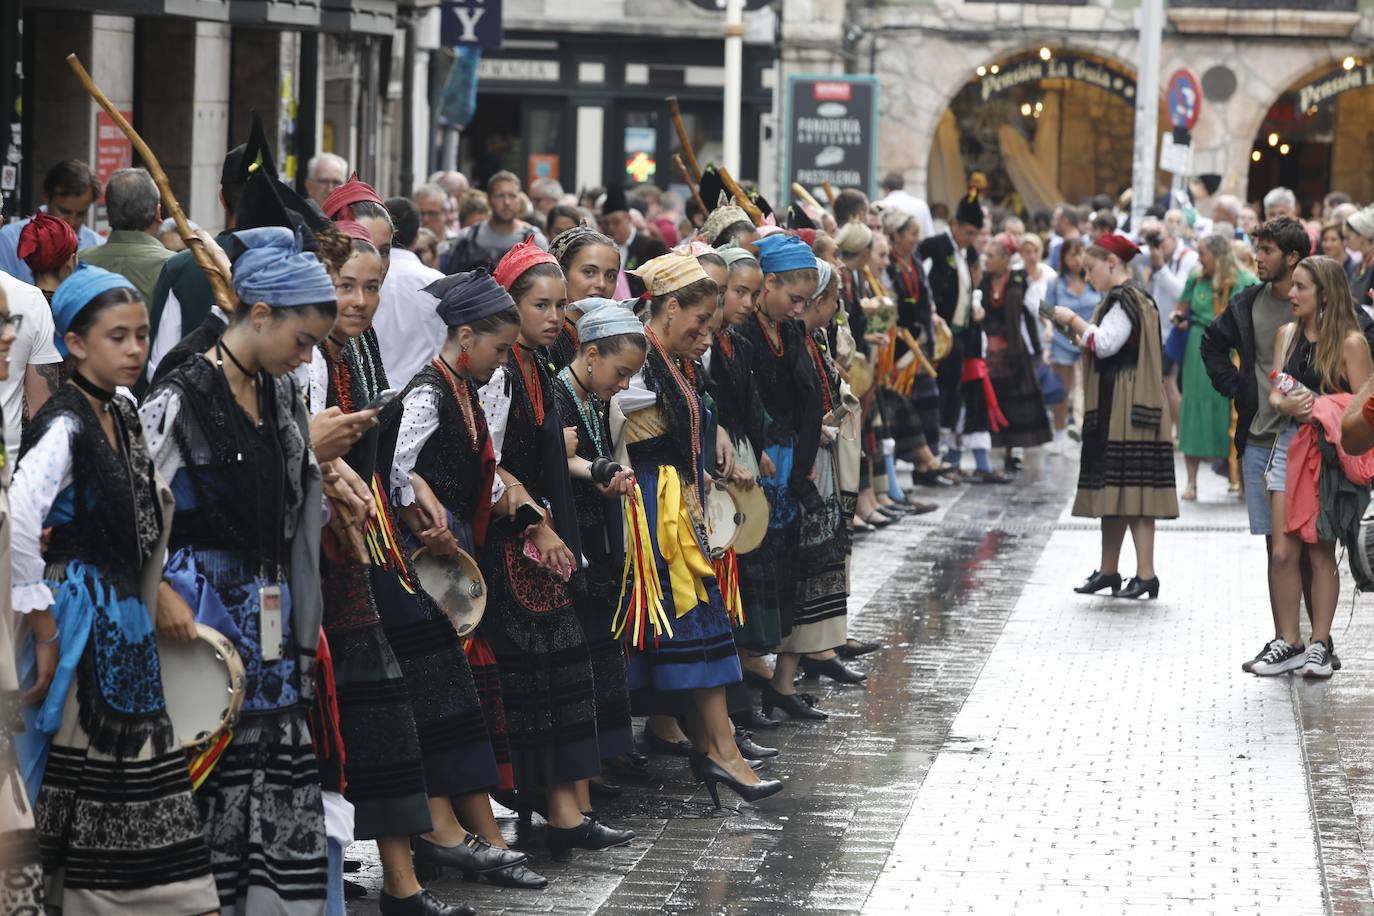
792,704
658,745
1136,586
711,773
832,668
590,834
1098,581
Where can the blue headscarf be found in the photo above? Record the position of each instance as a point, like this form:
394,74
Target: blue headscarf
275,270
779,252
76,292
591,303
468,297
609,319
825,270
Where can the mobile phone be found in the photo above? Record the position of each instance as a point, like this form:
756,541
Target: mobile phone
382,399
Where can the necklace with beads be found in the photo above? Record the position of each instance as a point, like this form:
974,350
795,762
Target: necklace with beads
530,375
462,393
776,349
826,403
588,410
689,393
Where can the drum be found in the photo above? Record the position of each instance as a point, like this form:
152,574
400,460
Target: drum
722,519
203,682
456,585
753,527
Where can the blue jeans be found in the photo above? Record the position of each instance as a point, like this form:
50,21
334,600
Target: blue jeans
1253,464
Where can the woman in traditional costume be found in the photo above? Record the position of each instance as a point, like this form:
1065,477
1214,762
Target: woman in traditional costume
1011,326
117,822
682,655
230,431
541,651
1126,475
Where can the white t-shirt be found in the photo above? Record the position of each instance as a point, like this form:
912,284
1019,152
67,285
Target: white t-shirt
33,347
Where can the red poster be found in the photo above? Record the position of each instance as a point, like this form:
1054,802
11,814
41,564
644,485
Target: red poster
113,151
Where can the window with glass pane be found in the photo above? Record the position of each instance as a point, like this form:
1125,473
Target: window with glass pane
640,148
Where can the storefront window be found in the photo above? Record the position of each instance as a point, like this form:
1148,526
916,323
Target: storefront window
640,147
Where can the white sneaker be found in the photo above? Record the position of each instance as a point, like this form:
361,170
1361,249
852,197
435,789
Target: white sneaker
1278,658
1317,661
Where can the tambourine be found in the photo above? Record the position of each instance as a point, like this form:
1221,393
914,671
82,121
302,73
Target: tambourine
861,375
753,526
456,585
203,683
944,339
722,519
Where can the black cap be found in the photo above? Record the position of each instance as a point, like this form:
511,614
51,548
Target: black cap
764,208
711,188
615,201
970,209
797,218
246,158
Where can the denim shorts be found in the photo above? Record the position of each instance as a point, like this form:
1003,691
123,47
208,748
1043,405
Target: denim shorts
1253,464
1277,477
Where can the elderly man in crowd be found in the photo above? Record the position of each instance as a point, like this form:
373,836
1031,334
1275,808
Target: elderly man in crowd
69,188
325,174
134,208
432,202
545,194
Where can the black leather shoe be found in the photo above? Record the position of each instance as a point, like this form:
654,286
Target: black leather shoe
711,773
514,876
753,720
604,791
353,890
421,904
591,834
1136,586
853,648
474,855
931,478
749,749
792,704
1098,581
657,745
832,668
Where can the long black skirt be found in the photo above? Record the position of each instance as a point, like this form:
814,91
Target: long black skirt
614,732
1018,396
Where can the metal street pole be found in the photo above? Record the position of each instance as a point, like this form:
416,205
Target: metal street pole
734,78
1146,109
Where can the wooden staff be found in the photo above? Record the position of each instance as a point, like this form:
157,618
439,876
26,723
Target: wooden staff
747,205
682,138
219,284
829,194
805,196
909,339
686,176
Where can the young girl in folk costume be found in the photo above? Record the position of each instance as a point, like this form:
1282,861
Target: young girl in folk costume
682,655
824,538
1011,325
21,872
1324,351
117,824
229,429
590,262
1126,475
611,350
786,384
380,698
436,459
541,652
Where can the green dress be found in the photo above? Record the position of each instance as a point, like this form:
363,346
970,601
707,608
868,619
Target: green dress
1205,421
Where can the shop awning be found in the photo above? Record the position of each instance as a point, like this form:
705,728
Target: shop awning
369,17
285,13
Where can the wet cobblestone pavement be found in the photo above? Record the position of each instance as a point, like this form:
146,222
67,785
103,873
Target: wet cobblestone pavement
1019,748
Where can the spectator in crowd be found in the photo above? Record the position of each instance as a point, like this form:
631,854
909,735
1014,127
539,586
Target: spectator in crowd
427,247
636,248
486,243
48,246
1359,238
1331,242
563,217
1279,202
170,236
432,201
1331,201
456,184
1066,219
545,194
69,189
49,251
850,204
409,329
894,183
324,174
1171,263
134,209
473,209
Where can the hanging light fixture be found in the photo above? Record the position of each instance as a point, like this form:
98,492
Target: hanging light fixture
1045,54
1255,155
982,71
1283,149
1273,139
1348,63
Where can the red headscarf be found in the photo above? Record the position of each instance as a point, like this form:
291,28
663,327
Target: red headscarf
1117,244
46,243
520,259
354,230
1007,241
340,202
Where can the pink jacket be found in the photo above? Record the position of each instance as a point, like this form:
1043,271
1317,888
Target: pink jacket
1303,476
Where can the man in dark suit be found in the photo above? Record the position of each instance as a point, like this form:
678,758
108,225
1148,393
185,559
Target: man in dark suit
951,264
635,249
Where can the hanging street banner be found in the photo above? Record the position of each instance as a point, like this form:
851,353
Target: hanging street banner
1323,90
830,133
470,22
1059,67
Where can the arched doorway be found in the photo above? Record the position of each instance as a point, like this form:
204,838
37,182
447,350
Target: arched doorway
1318,136
1044,125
